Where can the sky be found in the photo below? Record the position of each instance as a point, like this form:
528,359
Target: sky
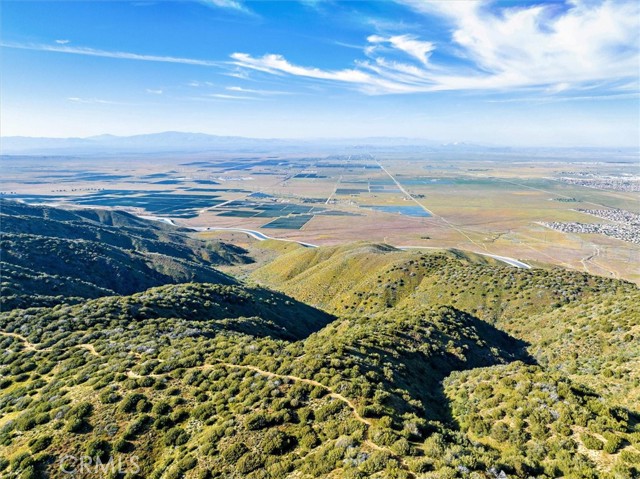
519,73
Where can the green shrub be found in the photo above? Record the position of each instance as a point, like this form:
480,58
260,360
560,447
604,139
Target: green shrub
109,397
234,452
138,426
40,443
176,437
376,461
591,442
256,421
98,449
500,431
276,442
249,462
613,443
130,402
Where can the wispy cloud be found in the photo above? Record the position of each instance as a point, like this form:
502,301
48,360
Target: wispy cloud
62,42
88,101
562,99
198,84
408,44
277,64
492,48
234,5
224,96
154,92
109,54
257,92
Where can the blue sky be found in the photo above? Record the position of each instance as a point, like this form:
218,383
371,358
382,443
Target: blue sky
551,73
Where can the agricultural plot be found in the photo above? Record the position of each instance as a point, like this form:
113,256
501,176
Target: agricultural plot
309,175
165,204
252,209
289,222
350,191
415,210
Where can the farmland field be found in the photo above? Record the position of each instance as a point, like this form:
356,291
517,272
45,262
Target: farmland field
477,202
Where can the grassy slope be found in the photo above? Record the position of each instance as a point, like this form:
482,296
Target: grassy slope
166,375
599,317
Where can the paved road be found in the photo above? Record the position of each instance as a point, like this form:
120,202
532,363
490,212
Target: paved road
261,237
253,233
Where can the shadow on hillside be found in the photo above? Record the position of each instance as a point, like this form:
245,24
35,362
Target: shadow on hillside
254,311
295,319
464,343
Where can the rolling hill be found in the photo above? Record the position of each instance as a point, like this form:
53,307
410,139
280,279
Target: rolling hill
367,362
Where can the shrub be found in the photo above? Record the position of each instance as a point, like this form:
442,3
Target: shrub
40,443
401,447
591,442
328,410
138,426
109,397
176,437
613,443
249,462
98,448
161,408
500,431
256,421
377,461
276,442
122,445
234,452
130,402
77,425
25,422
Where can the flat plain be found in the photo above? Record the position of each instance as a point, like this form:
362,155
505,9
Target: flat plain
492,203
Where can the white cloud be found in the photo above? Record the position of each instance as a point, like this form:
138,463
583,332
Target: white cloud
278,64
154,92
228,4
75,99
518,47
198,84
224,96
109,54
62,42
413,47
254,91
537,45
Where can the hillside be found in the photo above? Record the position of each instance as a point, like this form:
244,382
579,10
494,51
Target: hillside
188,391
369,362
599,318
51,255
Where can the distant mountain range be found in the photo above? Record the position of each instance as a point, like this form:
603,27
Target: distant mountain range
166,141
175,141
170,141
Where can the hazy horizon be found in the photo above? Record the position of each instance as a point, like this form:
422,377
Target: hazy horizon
174,138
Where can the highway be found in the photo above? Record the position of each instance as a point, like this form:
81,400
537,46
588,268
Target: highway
261,237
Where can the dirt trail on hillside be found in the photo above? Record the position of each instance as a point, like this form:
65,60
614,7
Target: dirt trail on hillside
27,344
90,348
332,394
